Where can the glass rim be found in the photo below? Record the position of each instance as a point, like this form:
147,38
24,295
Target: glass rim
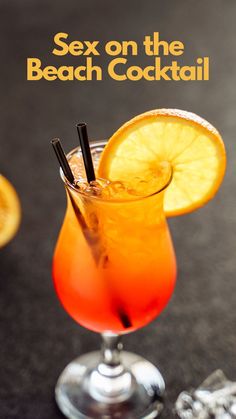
102,143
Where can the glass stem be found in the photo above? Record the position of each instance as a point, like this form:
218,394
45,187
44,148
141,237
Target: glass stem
111,381
111,348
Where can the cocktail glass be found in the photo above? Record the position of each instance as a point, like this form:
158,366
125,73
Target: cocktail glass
114,271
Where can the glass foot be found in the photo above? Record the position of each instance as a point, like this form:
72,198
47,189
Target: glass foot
87,389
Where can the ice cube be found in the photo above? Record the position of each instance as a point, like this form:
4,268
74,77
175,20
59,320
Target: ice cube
77,166
115,190
232,408
214,398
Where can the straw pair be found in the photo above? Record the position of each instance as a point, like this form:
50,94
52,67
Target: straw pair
84,144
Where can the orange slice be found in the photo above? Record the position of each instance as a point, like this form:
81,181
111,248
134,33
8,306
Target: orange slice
10,212
192,146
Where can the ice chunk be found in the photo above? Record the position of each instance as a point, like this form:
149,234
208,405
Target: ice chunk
77,166
116,190
214,398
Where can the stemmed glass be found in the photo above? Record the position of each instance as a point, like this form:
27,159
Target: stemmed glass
114,271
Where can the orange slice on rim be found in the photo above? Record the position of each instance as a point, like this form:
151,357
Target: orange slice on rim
192,146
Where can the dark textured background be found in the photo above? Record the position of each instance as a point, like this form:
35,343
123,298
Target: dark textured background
196,333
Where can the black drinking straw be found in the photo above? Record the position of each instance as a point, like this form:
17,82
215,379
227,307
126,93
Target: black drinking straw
86,152
62,160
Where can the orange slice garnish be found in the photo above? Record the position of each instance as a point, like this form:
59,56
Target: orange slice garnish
192,146
10,212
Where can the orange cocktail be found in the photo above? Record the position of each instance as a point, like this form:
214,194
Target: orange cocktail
114,266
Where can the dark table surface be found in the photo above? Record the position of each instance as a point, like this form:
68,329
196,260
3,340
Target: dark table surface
196,333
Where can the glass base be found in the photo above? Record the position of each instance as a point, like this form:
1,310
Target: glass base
84,389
